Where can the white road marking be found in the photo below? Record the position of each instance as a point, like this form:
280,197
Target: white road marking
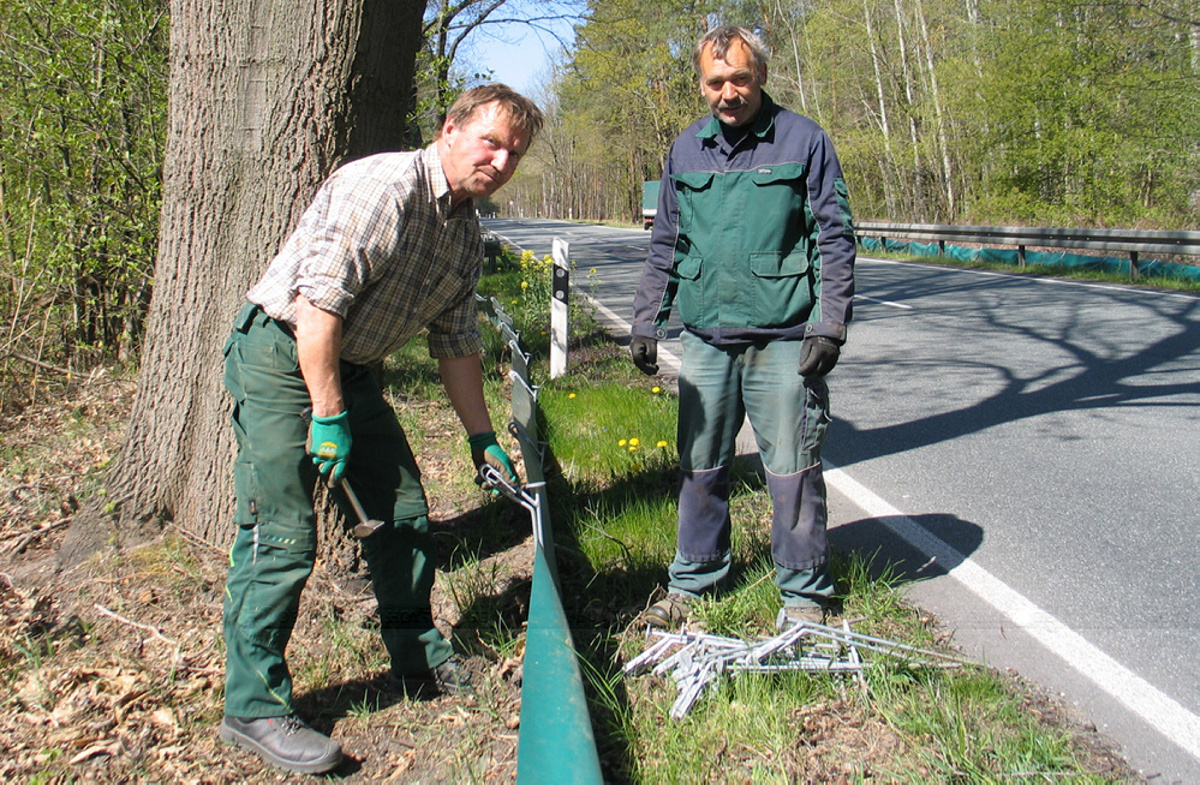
1155,707
615,322
883,302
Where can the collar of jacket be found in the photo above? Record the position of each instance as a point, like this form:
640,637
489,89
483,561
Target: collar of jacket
760,127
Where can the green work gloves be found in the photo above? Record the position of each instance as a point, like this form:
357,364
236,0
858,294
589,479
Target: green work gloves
818,355
485,450
329,442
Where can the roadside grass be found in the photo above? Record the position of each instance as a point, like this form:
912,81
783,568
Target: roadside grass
611,475
136,695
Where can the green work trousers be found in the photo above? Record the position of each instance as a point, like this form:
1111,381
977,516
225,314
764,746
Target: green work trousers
718,388
276,541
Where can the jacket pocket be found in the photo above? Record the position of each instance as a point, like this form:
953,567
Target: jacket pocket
691,290
781,289
695,181
698,203
779,173
772,264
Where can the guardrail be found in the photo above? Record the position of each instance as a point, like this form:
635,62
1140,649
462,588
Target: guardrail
556,742
1133,242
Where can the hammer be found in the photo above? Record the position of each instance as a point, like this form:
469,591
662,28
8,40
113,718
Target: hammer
365,526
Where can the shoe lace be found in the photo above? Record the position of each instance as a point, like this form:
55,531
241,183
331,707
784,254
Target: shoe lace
292,725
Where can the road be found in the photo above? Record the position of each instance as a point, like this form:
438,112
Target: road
1028,451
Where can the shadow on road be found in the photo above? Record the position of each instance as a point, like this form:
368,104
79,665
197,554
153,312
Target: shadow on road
1076,363
886,552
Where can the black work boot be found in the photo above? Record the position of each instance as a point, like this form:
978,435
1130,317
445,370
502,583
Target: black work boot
286,742
449,678
669,612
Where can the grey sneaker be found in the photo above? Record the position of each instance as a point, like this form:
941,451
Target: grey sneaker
449,678
286,742
791,615
669,612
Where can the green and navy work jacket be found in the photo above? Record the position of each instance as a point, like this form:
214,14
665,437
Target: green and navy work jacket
753,239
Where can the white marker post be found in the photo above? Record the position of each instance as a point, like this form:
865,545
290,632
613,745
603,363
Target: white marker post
560,286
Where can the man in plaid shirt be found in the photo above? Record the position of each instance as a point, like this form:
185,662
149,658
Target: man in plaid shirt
389,246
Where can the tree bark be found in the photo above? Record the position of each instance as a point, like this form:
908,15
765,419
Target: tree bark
266,98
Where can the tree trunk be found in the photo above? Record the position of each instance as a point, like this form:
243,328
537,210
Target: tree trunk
266,97
950,195
886,166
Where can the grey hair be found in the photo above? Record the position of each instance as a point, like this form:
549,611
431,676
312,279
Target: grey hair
721,37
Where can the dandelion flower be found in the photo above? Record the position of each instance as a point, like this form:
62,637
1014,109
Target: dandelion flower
661,445
633,448
656,389
572,395
622,443
634,442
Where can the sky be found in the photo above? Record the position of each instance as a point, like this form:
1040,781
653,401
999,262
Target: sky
518,56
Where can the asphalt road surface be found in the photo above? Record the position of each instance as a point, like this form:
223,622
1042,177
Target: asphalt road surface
1028,451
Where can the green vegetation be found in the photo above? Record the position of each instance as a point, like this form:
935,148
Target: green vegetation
1035,112
130,647
82,124
613,510
1040,112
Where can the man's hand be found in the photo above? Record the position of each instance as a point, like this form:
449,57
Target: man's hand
818,355
485,450
645,354
329,443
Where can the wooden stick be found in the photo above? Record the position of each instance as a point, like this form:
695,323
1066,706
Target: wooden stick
145,627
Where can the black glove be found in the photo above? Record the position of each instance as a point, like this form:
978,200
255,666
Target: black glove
818,355
645,354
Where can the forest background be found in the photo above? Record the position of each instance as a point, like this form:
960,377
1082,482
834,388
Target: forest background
1028,112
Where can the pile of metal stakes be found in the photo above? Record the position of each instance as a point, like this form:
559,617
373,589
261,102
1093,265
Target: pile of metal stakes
696,660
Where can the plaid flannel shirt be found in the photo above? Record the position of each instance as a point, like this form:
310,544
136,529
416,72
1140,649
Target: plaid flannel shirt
380,247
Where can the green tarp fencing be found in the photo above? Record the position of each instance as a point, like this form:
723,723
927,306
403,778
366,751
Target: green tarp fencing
1145,268
556,743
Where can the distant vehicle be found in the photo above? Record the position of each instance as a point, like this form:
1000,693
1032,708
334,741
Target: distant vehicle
649,202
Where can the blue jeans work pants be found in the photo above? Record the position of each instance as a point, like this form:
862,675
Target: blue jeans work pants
718,388
275,544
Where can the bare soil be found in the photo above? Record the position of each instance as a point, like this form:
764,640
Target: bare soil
113,672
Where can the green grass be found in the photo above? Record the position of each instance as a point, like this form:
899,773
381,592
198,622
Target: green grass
614,510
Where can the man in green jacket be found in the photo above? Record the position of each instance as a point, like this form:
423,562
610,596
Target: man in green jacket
753,242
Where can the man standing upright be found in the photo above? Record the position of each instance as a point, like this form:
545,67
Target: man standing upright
389,246
753,242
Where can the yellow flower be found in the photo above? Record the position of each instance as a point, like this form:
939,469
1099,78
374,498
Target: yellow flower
572,395
661,444
656,389
622,443
524,284
633,448
634,442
